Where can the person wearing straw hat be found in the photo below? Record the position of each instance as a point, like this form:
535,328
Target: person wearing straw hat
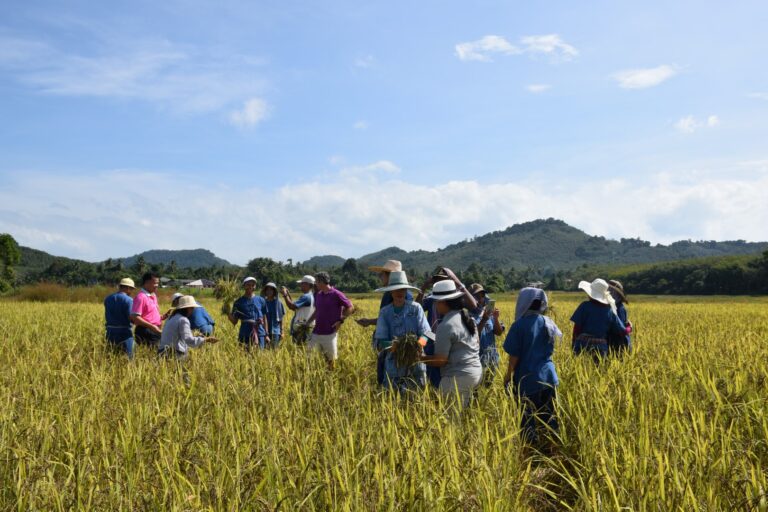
200,320
396,320
250,310
486,316
384,272
595,319
117,315
457,347
429,304
275,314
331,309
619,344
177,337
531,373
303,307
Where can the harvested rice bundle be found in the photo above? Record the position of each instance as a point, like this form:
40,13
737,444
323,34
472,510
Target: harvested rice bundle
407,349
228,290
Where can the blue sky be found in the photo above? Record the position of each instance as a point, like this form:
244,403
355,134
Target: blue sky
289,129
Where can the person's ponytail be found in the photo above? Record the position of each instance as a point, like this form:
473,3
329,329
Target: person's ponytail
468,322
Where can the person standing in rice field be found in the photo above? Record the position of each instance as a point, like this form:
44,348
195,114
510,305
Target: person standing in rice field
457,347
531,373
489,326
397,319
275,314
117,314
145,312
595,320
331,309
384,273
429,304
303,307
618,344
250,310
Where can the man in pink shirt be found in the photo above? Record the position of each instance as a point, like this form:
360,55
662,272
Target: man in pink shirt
145,313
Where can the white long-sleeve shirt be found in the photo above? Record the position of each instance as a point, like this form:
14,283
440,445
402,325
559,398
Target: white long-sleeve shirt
177,334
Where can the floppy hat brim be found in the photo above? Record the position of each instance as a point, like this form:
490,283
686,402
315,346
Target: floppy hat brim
587,288
396,287
454,295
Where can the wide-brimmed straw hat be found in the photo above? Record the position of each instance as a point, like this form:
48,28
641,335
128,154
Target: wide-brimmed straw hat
389,266
306,279
397,281
616,287
597,290
476,288
249,279
127,281
445,290
187,301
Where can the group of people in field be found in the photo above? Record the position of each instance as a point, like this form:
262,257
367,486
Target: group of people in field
455,327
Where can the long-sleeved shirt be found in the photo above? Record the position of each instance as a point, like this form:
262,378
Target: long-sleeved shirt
177,334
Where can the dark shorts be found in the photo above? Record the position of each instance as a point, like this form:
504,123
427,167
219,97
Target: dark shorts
144,336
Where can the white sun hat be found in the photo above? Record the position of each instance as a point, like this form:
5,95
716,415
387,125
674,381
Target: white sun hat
389,266
306,279
445,290
597,290
397,281
249,279
187,301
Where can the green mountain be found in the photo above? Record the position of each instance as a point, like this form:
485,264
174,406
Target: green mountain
34,261
324,262
555,245
188,258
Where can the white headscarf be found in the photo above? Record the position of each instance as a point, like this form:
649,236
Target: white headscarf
524,300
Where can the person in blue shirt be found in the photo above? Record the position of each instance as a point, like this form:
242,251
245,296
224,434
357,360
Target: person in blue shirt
401,317
429,305
250,310
117,314
199,319
304,307
618,344
488,326
274,314
595,320
531,373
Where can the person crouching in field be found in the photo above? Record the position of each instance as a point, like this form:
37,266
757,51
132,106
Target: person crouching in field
531,371
250,310
177,337
303,307
145,312
486,316
595,320
457,347
275,314
331,309
117,314
618,344
398,319
200,320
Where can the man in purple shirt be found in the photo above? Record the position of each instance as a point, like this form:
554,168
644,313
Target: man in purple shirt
331,309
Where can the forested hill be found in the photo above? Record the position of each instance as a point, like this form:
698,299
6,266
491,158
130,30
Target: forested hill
551,244
188,258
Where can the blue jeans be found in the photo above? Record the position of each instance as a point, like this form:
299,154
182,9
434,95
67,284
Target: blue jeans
121,340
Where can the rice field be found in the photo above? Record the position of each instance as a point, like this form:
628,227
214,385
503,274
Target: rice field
682,424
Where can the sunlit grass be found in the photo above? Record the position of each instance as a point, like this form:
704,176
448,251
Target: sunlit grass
679,425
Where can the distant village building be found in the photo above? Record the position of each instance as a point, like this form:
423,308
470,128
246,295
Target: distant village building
536,284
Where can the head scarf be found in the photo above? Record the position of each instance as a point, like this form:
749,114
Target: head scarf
524,301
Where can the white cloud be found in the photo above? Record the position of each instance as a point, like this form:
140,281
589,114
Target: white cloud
480,49
360,125
690,124
483,48
643,78
365,61
253,112
184,78
538,88
366,208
